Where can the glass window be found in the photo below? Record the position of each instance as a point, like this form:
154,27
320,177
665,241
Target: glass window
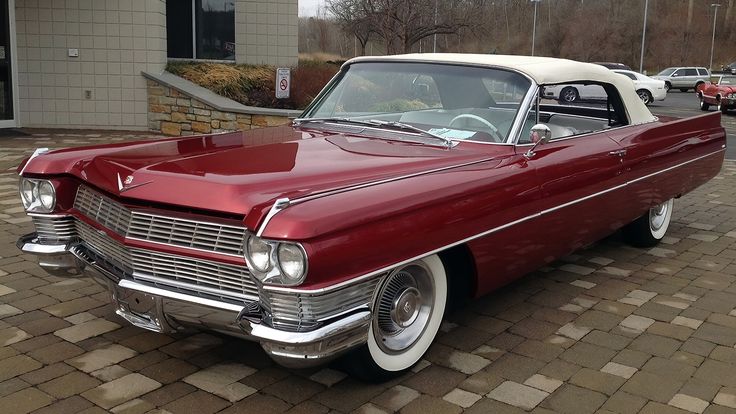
629,75
666,72
679,72
458,102
703,72
576,109
691,72
201,29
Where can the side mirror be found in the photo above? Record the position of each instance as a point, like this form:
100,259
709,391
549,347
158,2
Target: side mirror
540,134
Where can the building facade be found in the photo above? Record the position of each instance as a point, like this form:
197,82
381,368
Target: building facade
78,63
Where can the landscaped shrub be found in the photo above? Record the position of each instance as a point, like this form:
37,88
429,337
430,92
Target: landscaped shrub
255,85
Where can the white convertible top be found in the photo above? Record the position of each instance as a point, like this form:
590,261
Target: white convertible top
542,70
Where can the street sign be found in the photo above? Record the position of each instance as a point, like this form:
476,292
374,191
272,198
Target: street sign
283,83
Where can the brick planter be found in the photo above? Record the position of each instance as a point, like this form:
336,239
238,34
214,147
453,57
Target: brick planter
184,110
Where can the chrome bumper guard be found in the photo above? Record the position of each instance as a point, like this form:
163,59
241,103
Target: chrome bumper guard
166,311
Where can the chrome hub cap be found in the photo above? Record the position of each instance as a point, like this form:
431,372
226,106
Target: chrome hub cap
644,97
404,306
658,215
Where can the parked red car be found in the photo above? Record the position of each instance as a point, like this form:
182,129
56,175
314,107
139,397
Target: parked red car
720,91
410,183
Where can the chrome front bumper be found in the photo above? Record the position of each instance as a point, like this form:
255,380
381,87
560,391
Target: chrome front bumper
166,311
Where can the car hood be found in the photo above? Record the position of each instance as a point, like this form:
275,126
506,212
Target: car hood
241,172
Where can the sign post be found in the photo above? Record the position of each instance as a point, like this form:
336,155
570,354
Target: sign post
283,83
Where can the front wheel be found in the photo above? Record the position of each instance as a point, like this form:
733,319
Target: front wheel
406,317
667,86
649,229
703,105
721,107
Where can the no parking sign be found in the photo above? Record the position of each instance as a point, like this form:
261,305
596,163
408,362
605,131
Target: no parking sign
283,83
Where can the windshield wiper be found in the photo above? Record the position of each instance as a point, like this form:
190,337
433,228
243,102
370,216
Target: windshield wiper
377,123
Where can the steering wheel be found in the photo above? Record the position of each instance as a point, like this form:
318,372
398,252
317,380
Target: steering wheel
491,128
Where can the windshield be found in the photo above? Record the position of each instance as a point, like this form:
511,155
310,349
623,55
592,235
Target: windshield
728,80
666,72
451,101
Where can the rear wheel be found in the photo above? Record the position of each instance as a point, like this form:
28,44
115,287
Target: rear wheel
569,94
721,107
684,89
649,229
703,105
645,96
407,315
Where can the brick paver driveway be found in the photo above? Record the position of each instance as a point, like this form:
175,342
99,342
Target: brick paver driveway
609,329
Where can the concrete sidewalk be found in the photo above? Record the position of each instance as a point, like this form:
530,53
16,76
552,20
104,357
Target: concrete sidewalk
609,329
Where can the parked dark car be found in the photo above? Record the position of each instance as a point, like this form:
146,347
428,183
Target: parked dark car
730,68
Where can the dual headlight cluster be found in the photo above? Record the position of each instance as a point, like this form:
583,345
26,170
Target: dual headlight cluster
732,96
38,196
275,262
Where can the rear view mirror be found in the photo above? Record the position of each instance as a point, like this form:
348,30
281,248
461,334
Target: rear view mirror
539,134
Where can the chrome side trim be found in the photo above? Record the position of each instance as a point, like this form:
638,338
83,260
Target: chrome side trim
275,209
35,154
279,205
482,234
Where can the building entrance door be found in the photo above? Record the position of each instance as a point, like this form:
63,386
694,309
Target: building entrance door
7,73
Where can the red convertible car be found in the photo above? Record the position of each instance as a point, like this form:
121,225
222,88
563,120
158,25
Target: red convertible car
720,91
411,183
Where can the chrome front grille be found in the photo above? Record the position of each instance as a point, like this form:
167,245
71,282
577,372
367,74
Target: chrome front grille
103,210
54,228
174,231
303,311
187,233
181,273
102,244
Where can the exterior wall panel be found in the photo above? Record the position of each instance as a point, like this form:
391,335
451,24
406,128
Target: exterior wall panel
266,32
103,87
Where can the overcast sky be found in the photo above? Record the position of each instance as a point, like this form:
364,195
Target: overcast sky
309,7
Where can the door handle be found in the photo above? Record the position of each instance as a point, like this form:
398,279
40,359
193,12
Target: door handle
618,153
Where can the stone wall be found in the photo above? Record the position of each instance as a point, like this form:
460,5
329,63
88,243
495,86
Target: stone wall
174,113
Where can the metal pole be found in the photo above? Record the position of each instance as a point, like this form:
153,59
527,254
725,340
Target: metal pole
434,46
643,37
534,27
713,39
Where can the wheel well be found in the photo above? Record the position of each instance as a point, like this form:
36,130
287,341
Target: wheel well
668,83
461,275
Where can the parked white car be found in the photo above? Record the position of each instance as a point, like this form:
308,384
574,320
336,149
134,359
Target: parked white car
648,89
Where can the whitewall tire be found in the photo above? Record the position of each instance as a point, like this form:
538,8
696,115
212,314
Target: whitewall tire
407,314
649,229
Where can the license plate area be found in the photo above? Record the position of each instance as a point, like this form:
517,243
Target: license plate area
140,309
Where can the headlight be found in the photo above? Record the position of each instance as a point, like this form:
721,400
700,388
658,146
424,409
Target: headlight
26,192
258,252
46,195
292,261
38,196
275,263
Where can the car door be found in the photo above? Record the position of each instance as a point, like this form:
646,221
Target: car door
678,78
691,76
580,185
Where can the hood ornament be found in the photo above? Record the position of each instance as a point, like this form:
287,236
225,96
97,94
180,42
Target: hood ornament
124,186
